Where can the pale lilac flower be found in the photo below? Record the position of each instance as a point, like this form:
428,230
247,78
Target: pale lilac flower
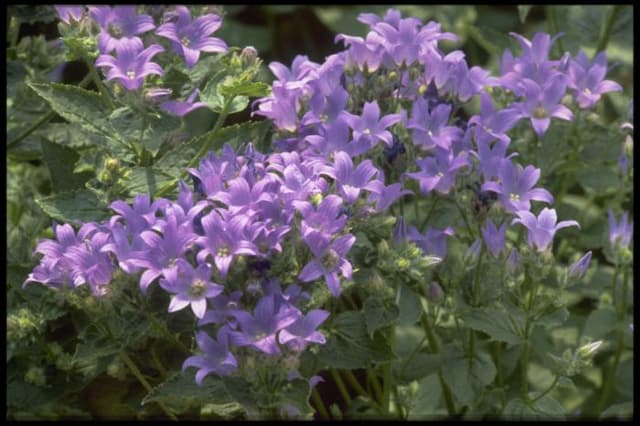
513,262
620,233
492,124
328,259
89,265
579,267
67,13
190,38
542,228
433,242
131,65
370,127
541,102
516,187
141,215
119,26
389,195
587,79
216,357
302,332
190,287
429,125
439,172
494,238
221,310
180,109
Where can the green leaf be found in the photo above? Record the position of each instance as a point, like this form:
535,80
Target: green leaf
417,367
350,347
296,396
467,377
497,324
410,306
523,12
74,206
60,161
252,89
149,129
427,402
227,411
175,161
544,408
619,411
180,392
379,313
145,180
599,323
624,378
87,109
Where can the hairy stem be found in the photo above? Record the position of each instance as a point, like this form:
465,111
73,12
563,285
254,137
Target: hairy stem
341,387
317,401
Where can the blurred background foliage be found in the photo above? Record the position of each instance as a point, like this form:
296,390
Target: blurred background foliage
36,321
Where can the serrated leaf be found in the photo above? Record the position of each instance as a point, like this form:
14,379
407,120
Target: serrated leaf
379,313
85,108
497,324
350,346
294,399
410,306
523,12
175,161
145,180
180,392
417,367
60,161
467,377
151,130
74,206
250,89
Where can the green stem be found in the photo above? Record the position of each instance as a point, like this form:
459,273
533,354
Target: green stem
98,82
387,385
605,33
374,384
549,389
205,147
42,120
553,22
610,378
435,348
136,372
315,396
464,218
476,278
426,219
355,384
401,410
341,387
446,392
524,355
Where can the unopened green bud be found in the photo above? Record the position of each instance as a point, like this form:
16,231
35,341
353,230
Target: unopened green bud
588,350
422,89
435,293
402,263
383,248
35,375
111,164
393,76
628,146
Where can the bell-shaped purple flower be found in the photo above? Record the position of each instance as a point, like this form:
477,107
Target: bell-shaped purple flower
180,109
620,233
67,13
190,287
542,228
328,260
192,37
131,65
350,181
302,332
119,26
439,172
587,79
370,127
579,267
216,357
494,238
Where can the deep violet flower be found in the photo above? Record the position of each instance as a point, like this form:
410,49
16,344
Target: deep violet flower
131,65
542,228
192,37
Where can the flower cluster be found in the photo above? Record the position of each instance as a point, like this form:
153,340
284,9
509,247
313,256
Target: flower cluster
124,58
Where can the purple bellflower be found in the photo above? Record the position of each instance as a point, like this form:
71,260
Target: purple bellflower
119,26
180,109
224,240
370,127
190,38
302,332
433,242
543,102
620,233
429,125
191,287
350,181
492,124
439,172
587,79
259,330
516,187
131,65
579,267
494,238
542,228
328,259
67,13
216,357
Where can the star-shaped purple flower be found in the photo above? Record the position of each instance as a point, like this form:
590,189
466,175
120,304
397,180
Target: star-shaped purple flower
328,259
216,357
587,79
370,127
66,13
516,186
191,287
302,332
494,237
192,37
439,172
542,228
350,181
119,26
131,65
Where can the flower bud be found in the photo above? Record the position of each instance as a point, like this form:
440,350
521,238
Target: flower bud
111,164
579,268
472,253
435,293
588,350
513,262
157,95
35,375
248,56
